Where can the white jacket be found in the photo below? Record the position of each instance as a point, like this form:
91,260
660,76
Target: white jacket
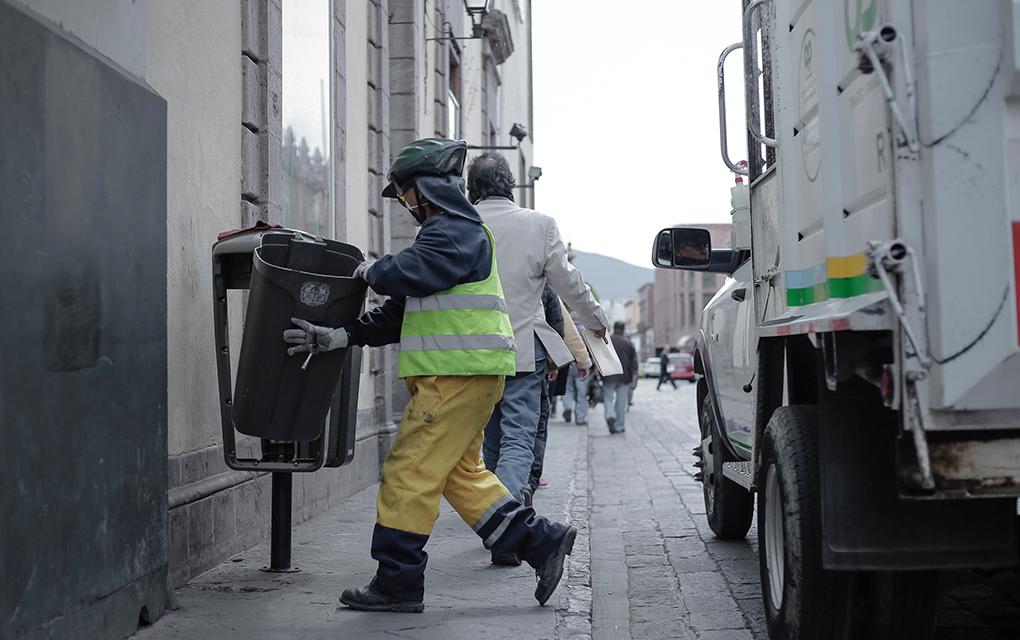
529,251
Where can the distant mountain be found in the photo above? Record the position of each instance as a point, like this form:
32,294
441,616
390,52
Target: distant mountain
613,279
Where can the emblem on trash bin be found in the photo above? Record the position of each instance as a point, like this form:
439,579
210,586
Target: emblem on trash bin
314,294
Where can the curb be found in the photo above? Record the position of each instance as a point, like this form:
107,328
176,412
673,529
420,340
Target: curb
573,615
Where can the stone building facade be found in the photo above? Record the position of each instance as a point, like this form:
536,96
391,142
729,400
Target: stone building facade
646,324
289,111
679,296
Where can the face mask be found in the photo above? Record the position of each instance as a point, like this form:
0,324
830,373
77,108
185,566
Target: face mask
414,210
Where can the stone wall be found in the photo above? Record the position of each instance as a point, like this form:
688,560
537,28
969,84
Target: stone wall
228,162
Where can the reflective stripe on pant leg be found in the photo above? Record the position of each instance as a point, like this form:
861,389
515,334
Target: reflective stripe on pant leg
499,519
475,492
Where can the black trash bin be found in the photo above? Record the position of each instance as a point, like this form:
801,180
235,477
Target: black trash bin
293,275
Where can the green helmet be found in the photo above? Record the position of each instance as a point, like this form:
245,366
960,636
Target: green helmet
428,157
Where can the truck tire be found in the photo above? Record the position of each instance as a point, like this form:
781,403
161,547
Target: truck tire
802,601
728,506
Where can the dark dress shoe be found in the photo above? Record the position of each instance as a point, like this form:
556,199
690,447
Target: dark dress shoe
369,599
611,422
551,571
566,415
506,559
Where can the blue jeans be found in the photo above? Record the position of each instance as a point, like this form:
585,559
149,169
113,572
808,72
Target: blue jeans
615,395
576,393
509,445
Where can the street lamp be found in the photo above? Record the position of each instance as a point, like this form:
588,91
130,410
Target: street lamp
477,10
518,132
534,173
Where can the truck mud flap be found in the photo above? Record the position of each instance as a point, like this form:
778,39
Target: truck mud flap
867,525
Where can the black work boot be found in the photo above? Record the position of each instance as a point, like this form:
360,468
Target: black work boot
369,599
612,424
551,571
505,559
566,415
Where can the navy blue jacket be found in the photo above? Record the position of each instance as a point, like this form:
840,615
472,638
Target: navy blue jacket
450,249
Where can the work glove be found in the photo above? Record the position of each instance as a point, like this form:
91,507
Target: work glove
313,338
362,269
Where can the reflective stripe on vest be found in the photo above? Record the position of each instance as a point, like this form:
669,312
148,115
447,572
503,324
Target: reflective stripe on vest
464,330
450,301
458,343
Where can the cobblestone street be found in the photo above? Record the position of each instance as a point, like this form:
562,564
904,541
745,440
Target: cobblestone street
645,564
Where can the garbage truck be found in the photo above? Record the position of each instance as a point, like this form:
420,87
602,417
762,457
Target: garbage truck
859,389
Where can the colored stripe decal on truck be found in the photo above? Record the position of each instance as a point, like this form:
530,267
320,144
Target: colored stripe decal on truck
1016,274
836,278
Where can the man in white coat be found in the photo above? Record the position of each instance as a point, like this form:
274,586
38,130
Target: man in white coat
529,252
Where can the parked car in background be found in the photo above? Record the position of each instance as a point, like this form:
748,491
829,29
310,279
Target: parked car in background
681,367
650,367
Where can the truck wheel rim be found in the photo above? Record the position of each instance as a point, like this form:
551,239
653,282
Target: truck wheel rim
774,542
708,481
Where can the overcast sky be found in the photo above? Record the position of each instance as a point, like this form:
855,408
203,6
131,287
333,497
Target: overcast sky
626,118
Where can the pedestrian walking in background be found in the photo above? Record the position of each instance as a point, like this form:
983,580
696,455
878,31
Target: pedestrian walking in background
530,253
616,389
664,374
575,398
554,316
565,326
446,309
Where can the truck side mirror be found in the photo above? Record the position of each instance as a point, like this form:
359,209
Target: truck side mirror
683,248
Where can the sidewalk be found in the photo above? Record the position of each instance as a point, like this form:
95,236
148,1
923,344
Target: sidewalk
466,597
645,564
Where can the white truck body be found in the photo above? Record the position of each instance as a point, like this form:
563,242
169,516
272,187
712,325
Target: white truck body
860,369
936,168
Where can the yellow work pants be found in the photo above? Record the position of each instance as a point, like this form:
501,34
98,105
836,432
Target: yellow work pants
437,453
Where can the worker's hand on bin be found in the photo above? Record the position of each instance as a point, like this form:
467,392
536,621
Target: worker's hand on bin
362,269
313,338
601,333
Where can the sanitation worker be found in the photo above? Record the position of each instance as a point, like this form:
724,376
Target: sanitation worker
447,311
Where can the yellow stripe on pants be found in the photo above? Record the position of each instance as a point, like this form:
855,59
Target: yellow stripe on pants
437,452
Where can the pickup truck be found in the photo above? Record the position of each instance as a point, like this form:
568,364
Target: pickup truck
860,370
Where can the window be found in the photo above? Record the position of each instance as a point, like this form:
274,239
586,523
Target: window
453,112
306,157
452,115
708,280
491,104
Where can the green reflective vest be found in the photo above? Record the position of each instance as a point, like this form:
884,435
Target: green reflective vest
463,331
